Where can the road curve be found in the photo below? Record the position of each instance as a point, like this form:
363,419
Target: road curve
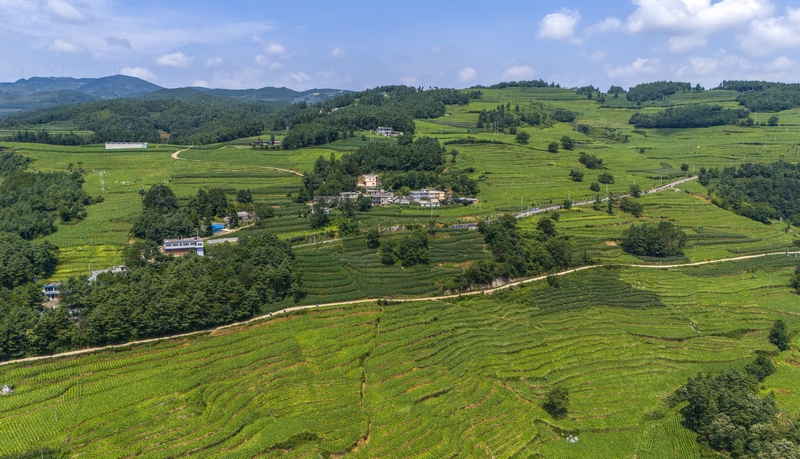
372,300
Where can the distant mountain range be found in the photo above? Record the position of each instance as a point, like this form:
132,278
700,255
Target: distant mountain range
39,92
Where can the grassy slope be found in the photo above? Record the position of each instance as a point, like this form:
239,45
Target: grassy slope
440,379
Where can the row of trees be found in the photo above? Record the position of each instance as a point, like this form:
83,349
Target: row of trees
662,240
535,114
691,116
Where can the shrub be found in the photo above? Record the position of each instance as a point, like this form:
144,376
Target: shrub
552,147
556,402
576,175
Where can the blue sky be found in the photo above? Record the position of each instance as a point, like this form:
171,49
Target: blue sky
358,44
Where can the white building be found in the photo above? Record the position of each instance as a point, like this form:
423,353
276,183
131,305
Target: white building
384,131
125,145
184,245
428,195
113,270
368,181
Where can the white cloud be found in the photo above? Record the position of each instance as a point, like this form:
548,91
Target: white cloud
700,66
679,44
435,49
606,25
694,17
409,80
138,72
301,77
61,46
467,74
598,56
338,52
214,62
773,34
559,25
273,48
276,65
519,72
261,60
63,10
638,68
200,84
178,60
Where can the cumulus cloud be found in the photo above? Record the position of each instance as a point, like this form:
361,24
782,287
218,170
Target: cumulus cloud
337,52
60,46
276,65
639,68
467,74
519,72
435,49
261,60
694,17
214,62
200,84
301,77
273,48
62,10
680,44
773,34
121,42
138,72
606,25
559,25
177,60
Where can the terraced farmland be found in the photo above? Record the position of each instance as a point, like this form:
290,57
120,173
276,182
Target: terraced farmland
421,379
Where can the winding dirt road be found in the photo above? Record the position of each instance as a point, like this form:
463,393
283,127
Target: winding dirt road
372,300
175,156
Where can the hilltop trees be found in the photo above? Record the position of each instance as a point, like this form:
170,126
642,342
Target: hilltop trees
690,116
656,91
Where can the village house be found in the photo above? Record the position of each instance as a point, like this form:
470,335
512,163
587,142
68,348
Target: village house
51,291
368,181
351,195
113,270
403,200
429,203
125,145
243,217
382,198
182,246
428,195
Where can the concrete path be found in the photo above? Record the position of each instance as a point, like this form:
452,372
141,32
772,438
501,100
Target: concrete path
372,300
585,203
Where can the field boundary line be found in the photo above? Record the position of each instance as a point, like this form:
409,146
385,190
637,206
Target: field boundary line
372,300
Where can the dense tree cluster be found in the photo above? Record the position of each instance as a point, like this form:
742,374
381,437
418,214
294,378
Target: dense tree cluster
763,96
656,91
408,250
534,114
520,84
729,415
590,161
42,136
21,261
30,202
158,296
662,240
762,192
690,116
515,253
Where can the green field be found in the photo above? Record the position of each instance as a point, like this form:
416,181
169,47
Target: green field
511,176
423,379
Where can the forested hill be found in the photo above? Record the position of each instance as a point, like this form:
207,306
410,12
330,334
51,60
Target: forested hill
764,96
38,92
205,117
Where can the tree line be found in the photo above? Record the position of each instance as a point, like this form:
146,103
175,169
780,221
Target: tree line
657,90
763,96
691,116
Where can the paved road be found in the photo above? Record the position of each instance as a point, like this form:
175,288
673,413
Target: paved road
372,300
585,203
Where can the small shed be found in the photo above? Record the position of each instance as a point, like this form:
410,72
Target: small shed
6,390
